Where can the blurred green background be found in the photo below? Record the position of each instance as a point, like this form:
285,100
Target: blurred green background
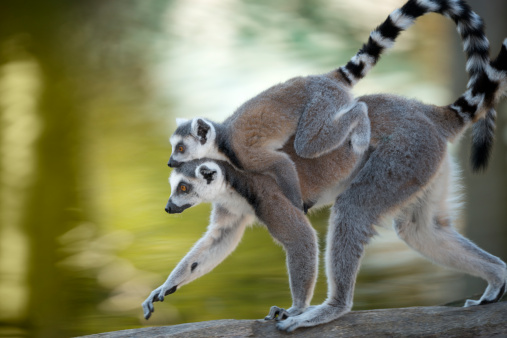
89,91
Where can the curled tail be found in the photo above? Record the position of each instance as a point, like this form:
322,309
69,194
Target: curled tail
483,132
469,25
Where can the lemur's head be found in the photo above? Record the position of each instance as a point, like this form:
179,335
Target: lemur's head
192,139
194,182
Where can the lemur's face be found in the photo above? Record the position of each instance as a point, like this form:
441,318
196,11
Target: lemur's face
192,139
194,182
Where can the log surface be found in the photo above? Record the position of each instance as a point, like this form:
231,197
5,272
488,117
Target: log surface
435,321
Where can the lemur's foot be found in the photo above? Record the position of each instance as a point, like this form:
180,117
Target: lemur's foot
156,295
316,315
279,313
307,206
491,295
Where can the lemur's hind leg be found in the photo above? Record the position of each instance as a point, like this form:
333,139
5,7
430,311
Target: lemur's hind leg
426,226
327,123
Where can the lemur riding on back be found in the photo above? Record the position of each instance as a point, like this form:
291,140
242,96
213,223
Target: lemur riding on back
252,137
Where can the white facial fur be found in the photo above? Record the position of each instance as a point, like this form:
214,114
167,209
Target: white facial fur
194,149
191,144
201,188
212,187
216,191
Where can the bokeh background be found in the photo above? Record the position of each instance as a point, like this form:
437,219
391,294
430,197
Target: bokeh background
89,91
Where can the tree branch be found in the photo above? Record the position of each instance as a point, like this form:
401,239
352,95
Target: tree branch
442,321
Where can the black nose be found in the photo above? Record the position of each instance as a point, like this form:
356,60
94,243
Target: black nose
173,163
172,208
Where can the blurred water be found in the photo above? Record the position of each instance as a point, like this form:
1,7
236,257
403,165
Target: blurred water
88,96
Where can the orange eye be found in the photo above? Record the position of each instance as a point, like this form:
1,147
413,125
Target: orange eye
180,149
183,188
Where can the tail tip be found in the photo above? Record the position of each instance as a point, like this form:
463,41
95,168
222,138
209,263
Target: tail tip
481,154
479,163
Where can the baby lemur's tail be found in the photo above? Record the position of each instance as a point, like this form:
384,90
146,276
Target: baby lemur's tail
469,25
483,132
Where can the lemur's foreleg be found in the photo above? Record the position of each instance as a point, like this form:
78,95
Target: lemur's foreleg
336,123
344,250
223,235
299,240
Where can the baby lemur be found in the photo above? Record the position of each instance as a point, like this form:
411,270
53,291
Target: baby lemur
319,110
406,174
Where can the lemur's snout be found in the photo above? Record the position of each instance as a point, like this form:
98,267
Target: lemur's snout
173,163
172,208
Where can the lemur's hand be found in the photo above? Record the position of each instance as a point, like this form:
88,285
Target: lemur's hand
279,313
156,295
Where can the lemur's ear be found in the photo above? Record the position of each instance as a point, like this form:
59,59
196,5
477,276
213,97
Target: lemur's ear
202,130
180,121
207,173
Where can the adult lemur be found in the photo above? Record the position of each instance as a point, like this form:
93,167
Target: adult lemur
406,173
319,110
392,176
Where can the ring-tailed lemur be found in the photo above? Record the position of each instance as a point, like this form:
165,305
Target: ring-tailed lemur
319,110
406,174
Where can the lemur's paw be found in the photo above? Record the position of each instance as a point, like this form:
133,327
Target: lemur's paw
316,315
491,295
156,295
307,206
471,302
279,313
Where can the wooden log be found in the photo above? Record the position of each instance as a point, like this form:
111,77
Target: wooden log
435,321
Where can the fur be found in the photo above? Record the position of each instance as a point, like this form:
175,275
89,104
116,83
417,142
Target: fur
406,173
403,172
238,201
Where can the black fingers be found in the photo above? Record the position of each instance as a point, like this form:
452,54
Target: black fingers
277,313
148,306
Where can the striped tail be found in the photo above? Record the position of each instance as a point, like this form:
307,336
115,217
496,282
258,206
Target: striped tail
483,137
469,25
483,132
